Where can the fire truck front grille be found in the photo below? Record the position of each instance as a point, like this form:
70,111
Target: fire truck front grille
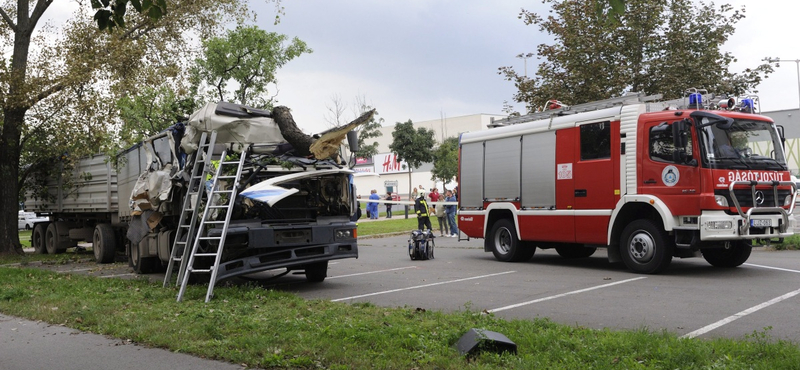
765,197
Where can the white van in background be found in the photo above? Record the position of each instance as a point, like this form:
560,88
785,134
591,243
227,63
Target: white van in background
28,219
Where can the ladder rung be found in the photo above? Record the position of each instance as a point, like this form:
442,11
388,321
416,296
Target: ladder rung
223,191
226,177
205,254
215,222
201,271
177,259
231,162
179,242
210,238
187,226
218,207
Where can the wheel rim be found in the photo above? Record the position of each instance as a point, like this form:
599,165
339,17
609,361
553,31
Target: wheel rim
50,241
641,247
96,245
502,241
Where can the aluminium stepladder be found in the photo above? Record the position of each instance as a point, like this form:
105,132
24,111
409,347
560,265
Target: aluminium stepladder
218,199
187,225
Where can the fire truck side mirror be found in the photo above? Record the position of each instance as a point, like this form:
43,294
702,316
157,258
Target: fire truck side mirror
680,135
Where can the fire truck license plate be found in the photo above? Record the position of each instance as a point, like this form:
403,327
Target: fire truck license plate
761,223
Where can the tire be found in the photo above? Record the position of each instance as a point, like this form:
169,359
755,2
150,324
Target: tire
141,265
317,272
52,240
505,245
645,248
573,251
104,243
38,238
734,254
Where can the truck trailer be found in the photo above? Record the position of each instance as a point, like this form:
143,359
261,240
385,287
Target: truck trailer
704,175
221,196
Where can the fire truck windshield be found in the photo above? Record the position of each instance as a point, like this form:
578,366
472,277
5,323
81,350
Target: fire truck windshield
746,144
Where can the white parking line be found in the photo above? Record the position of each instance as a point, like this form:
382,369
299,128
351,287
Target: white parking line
75,270
739,315
420,286
563,295
372,272
117,275
772,268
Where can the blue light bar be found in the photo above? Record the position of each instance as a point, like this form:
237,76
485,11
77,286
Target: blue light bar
748,105
695,99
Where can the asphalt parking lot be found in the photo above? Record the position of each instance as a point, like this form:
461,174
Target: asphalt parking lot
691,298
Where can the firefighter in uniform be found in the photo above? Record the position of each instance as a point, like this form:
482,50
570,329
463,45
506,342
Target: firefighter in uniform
423,211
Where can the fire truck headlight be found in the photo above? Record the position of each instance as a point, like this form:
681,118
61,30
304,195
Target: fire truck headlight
721,200
787,201
720,225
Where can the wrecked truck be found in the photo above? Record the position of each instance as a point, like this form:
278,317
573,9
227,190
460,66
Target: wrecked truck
286,211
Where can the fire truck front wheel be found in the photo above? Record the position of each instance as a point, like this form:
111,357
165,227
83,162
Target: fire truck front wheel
645,248
506,246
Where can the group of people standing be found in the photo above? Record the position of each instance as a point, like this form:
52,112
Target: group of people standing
445,214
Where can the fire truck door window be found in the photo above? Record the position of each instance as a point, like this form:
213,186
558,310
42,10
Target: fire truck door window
595,141
662,144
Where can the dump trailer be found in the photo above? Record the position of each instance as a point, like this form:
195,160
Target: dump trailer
222,196
648,180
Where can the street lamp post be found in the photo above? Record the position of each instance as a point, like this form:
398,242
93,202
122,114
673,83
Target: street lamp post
525,57
777,62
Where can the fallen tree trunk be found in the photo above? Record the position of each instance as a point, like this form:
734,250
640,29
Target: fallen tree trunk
326,146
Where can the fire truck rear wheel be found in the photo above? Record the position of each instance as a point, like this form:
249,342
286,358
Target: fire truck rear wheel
732,255
506,246
645,248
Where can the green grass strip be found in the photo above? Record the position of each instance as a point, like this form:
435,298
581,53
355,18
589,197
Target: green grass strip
272,329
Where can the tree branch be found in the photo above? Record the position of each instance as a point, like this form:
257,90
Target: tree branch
41,7
9,21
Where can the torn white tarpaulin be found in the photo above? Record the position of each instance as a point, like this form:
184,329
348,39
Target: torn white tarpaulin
152,188
233,125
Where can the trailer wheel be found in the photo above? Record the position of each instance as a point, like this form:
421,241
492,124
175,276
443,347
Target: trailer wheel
141,265
104,243
317,272
38,238
573,251
732,255
52,240
506,246
645,248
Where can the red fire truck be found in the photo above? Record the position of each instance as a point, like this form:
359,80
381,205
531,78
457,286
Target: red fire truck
648,180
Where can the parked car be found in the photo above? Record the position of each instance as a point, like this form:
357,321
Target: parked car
28,219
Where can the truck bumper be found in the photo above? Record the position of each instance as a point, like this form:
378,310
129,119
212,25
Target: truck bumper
254,249
721,226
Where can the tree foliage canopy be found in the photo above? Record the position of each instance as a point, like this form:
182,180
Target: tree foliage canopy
445,160
248,58
59,84
415,146
651,46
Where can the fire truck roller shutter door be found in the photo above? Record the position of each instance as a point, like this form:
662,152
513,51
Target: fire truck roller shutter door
503,158
471,184
538,174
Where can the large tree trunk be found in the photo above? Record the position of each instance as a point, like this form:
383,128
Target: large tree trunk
9,189
299,140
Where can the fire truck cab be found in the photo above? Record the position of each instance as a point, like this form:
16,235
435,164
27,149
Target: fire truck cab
648,180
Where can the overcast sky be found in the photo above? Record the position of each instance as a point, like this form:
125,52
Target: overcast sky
427,59
422,60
